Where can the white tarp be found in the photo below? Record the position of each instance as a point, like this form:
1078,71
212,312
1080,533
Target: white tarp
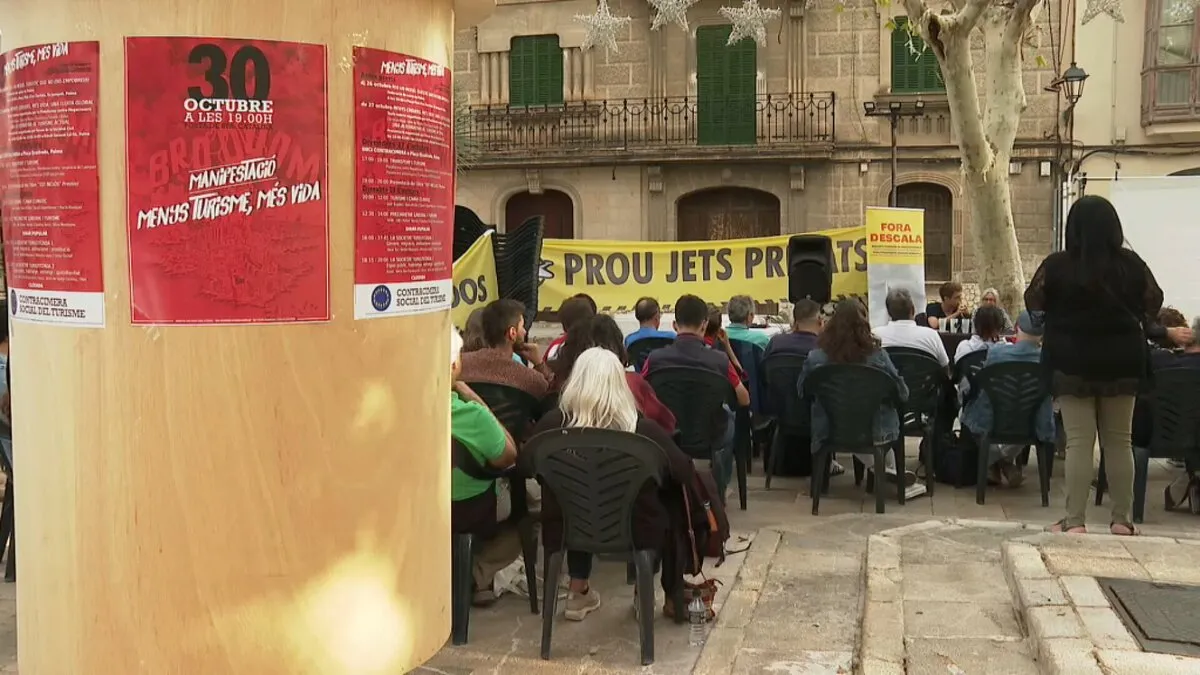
1158,215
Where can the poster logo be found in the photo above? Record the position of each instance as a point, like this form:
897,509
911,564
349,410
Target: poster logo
381,298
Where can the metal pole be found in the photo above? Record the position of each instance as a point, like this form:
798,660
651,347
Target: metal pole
892,196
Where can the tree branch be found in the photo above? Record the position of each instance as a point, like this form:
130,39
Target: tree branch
968,16
1018,21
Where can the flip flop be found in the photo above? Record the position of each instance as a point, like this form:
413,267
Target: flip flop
1123,529
1061,527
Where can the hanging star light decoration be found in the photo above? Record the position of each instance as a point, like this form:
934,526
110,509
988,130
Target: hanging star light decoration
601,27
749,21
671,11
1182,11
1097,7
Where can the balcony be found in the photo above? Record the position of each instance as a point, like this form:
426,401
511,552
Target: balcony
1171,95
664,129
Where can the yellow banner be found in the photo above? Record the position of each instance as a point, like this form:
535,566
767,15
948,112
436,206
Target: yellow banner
895,236
475,283
617,273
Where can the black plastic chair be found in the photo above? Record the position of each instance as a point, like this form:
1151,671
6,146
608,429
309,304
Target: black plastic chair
967,368
639,350
462,545
926,382
793,415
851,396
517,411
595,476
696,397
1175,430
758,423
1016,391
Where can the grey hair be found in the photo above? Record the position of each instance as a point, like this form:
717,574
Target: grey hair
899,304
1195,342
991,291
740,308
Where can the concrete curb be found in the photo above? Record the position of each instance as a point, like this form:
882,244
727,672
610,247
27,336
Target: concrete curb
725,639
881,648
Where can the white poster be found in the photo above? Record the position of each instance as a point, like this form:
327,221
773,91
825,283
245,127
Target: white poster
1156,214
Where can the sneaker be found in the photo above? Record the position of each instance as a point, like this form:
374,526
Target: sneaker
579,605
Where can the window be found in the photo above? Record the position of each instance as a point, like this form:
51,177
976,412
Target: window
1169,77
913,73
726,88
535,71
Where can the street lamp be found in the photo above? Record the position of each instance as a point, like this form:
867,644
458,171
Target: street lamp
894,111
1072,81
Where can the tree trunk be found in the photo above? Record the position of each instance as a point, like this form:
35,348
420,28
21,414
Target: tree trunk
985,134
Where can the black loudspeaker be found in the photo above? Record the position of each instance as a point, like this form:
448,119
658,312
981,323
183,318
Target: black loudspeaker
810,268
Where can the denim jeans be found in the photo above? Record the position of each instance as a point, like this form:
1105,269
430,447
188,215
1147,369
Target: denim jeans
722,461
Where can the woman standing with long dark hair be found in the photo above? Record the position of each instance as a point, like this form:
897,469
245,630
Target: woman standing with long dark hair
1100,302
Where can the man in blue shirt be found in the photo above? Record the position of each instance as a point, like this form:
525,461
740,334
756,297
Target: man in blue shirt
802,338
977,415
649,315
741,313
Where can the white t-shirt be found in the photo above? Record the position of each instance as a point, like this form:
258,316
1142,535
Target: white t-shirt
909,334
971,344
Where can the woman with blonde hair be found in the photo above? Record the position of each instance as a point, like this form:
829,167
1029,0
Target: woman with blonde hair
596,395
991,298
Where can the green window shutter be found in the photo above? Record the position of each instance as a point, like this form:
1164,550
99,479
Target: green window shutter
726,88
535,71
913,73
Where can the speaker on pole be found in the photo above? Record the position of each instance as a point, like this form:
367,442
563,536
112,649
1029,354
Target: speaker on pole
810,268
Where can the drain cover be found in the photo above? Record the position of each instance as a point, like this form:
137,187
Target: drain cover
1163,618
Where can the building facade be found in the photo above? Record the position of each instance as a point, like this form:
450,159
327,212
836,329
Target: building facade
1139,115
677,136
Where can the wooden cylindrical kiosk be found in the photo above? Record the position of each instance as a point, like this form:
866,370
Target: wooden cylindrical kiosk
256,499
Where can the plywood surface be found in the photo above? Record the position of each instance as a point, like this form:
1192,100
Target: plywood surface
257,499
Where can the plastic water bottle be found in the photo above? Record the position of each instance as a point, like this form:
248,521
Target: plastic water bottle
697,620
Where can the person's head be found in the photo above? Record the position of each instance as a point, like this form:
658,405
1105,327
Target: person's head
1094,238
713,328
899,304
1193,345
1169,317
951,295
456,345
806,316
647,312
691,315
588,299
597,394
990,297
575,310
847,336
989,323
1029,327
598,331
473,339
504,323
741,309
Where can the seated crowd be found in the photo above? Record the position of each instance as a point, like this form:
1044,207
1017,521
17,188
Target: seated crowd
594,376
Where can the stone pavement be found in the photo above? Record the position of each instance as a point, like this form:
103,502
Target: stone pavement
846,591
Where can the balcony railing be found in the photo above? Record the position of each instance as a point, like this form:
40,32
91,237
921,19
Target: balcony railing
646,126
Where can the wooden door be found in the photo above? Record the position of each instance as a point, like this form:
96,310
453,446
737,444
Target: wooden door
938,203
555,207
727,213
726,88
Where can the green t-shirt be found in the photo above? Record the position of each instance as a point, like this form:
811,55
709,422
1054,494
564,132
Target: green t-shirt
737,331
474,426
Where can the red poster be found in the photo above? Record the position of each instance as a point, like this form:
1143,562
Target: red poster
404,223
228,170
51,185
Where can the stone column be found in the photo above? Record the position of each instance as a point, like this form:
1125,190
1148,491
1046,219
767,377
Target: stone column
233,499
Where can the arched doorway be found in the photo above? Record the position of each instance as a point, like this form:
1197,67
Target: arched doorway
938,202
555,206
727,213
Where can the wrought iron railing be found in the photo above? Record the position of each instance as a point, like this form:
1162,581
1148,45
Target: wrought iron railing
647,125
